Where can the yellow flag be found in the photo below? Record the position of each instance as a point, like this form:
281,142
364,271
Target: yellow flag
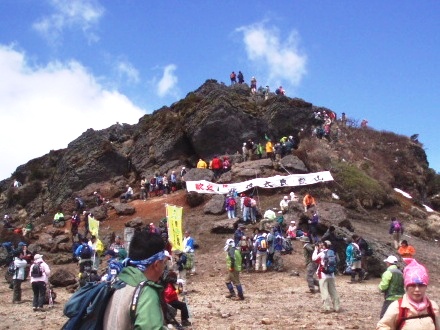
93,226
174,219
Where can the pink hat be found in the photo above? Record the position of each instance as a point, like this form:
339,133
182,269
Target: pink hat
415,273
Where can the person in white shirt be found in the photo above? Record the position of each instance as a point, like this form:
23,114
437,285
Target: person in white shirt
284,204
39,283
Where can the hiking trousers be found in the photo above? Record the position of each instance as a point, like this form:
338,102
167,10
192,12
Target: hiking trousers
329,295
16,296
261,260
180,305
311,280
39,290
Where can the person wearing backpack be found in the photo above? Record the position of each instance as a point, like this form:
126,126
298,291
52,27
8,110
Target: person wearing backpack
414,311
311,266
39,274
146,263
234,264
326,276
19,276
260,249
396,231
84,254
353,261
230,206
74,223
391,284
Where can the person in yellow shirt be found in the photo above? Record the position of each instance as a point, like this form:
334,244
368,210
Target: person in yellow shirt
202,164
269,150
405,250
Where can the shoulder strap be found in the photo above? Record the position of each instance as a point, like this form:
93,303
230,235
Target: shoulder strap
403,312
135,299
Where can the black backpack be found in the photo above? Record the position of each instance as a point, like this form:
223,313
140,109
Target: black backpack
86,252
11,268
36,270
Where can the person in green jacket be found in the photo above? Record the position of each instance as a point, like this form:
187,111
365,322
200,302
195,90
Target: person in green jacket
147,261
391,284
234,263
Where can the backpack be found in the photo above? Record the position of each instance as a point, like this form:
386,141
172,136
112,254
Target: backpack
403,312
329,262
277,91
11,268
231,202
86,252
36,270
86,307
247,202
355,253
397,226
262,244
75,220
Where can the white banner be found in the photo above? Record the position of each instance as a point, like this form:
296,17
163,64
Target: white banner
279,181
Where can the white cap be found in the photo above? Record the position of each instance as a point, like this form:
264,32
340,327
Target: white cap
293,221
285,197
391,260
38,256
229,241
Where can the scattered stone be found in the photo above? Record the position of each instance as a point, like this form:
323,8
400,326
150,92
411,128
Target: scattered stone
266,321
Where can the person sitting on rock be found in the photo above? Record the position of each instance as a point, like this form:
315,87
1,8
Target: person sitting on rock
170,295
284,204
127,195
98,198
58,219
217,167
202,164
308,202
253,85
291,230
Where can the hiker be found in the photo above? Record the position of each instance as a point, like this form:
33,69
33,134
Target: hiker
233,77
19,276
238,234
396,231
173,181
188,248
313,226
182,177
217,167
326,275
58,219
309,202
17,184
311,266
79,204
180,264
391,284
146,262
240,77
249,149
114,267
414,310
291,230
343,120
363,247
293,197
74,223
226,164
246,208
269,150
405,250
284,204
202,164
84,254
233,263
245,246
259,151
353,261
260,251
253,210
278,264
266,92
144,188
253,85
119,248
364,123
86,223
127,195
166,184
98,198
39,274
171,297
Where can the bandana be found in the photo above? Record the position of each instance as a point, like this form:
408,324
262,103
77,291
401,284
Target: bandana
142,265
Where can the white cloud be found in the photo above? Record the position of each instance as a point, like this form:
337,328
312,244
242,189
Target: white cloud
167,84
46,107
282,60
127,70
82,14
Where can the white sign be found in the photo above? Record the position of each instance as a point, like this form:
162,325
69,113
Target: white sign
279,181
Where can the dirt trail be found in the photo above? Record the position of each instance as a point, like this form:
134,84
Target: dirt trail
279,298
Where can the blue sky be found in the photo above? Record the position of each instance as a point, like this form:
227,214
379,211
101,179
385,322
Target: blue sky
72,65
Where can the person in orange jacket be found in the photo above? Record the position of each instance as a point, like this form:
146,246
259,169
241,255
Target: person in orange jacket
405,250
308,202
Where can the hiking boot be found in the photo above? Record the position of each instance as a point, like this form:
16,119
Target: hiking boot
230,295
34,309
312,291
238,298
186,323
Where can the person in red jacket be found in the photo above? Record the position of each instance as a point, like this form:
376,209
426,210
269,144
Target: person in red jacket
171,298
217,166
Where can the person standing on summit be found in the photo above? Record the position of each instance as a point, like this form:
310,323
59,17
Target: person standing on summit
240,77
233,77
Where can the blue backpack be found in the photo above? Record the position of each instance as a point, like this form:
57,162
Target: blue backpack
329,262
86,307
